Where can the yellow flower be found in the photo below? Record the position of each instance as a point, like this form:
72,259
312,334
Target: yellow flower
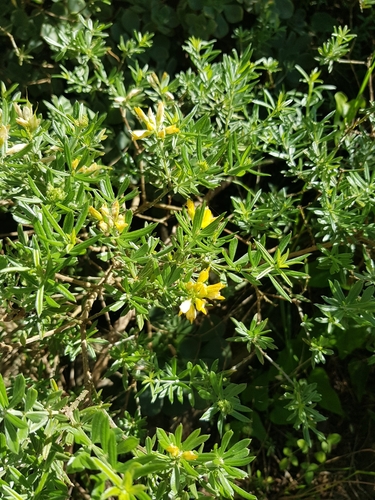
198,293
75,163
207,216
88,170
173,450
189,455
109,218
176,452
94,167
154,124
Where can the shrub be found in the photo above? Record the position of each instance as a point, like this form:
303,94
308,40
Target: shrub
220,196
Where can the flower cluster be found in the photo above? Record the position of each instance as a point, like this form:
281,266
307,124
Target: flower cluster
94,167
176,452
109,218
26,117
207,216
198,293
154,124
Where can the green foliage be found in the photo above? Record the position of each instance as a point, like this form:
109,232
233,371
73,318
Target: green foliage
335,48
117,278
46,431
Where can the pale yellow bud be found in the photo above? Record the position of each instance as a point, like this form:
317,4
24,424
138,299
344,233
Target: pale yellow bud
173,450
160,114
94,213
16,149
3,134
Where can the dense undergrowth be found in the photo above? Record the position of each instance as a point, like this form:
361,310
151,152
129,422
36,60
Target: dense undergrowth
187,270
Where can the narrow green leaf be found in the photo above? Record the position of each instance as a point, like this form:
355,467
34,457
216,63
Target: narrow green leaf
194,440
147,470
67,152
63,289
232,248
15,421
35,188
239,416
41,483
12,493
11,437
175,480
284,243
80,249
278,287
106,188
99,420
50,218
189,469
138,233
14,269
82,217
240,446
112,448
108,471
104,433
243,493
225,441
68,222
18,390
4,402
31,396
266,256
52,302
178,435
127,445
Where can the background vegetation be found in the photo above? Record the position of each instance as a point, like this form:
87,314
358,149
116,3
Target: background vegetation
187,223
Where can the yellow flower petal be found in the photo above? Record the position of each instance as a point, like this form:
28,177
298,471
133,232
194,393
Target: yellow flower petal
103,226
191,314
95,213
173,450
200,304
92,168
141,115
115,209
200,290
207,218
3,134
161,133
120,224
75,163
104,210
172,129
22,122
203,275
190,209
139,134
213,291
189,455
151,123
